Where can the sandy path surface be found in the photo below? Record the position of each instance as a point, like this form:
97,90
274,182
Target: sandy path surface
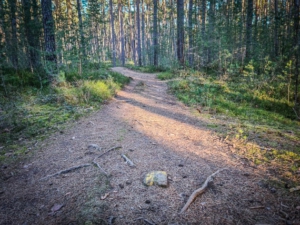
157,133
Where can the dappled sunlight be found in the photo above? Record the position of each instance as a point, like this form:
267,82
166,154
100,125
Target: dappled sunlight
169,123
176,135
162,118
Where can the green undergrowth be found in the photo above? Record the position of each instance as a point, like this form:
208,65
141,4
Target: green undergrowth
146,69
29,114
261,123
168,75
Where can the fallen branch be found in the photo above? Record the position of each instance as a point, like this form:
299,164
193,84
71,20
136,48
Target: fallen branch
109,151
97,164
128,161
66,171
199,191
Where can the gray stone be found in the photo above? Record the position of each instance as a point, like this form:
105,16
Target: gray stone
159,178
94,146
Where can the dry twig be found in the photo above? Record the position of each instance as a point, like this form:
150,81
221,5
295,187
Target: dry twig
199,191
97,164
66,171
128,161
114,148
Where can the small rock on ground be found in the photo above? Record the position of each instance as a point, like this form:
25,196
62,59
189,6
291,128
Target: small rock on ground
159,178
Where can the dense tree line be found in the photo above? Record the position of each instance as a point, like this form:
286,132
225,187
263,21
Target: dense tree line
228,36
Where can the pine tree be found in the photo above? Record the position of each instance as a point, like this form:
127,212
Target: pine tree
155,44
49,39
180,31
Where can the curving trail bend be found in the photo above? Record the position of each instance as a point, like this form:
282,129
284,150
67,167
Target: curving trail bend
157,133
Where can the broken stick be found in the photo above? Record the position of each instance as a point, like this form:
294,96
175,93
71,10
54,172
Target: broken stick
128,161
97,164
109,151
66,171
199,191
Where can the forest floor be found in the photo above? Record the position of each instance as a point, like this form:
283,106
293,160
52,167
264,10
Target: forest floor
156,132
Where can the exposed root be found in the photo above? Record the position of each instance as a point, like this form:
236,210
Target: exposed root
65,171
199,191
128,161
97,164
114,148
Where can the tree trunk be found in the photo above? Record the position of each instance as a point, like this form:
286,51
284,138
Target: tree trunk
30,36
139,52
296,53
180,31
49,39
211,28
121,33
203,18
14,38
249,30
191,33
3,32
155,44
112,33
143,34
82,41
36,34
277,20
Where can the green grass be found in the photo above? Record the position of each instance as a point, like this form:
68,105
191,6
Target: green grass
29,114
246,115
167,75
145,69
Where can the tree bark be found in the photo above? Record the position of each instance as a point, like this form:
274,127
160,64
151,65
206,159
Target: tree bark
191,54
32,39
139,53
249,30
121,33
112,33
82,41
49,39
203,18
143,34
211,30
14,38
2,33
155,44
36,33
180,31
277,19
296,53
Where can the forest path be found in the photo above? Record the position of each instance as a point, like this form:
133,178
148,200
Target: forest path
157,133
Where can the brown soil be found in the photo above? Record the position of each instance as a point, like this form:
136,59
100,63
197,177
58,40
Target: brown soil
157,133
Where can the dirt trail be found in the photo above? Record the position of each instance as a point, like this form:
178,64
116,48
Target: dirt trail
157,133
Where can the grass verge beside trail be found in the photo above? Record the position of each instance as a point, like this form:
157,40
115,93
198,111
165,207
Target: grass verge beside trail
29,114
261,127
145,69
